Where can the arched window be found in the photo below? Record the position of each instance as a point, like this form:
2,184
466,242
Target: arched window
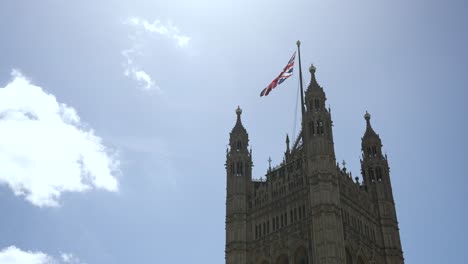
232,168
321,127
317,104
374,151
368,152
311,128
378,171
371,174
239,145
239,169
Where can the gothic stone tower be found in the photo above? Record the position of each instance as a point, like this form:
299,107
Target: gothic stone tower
308,209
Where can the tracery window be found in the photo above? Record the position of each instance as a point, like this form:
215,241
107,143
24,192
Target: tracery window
239,169
378,171
374,151
371,175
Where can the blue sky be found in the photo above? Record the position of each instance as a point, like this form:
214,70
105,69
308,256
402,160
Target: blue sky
115,116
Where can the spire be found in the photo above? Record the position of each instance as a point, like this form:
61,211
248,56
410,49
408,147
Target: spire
371,143
370,133
287,143
314,92
313,81
239,128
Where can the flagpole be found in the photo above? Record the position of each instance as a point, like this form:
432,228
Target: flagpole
300,79
304,143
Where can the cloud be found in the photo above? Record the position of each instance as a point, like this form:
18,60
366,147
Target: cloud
157,27
143,28
45,150
132,70
14,255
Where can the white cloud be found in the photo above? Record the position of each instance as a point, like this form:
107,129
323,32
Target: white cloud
44,148
144,77
157,27
69,258
14,255
144,28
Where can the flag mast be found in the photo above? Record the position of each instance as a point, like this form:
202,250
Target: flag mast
300,80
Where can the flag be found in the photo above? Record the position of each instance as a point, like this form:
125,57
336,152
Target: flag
287,71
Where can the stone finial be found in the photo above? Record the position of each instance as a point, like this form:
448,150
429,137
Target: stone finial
312,68
367,117
238,111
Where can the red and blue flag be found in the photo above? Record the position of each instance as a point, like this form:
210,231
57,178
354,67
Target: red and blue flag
286,73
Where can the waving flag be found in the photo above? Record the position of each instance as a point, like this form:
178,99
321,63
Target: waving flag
287,71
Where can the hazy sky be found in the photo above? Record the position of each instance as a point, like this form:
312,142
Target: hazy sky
115,116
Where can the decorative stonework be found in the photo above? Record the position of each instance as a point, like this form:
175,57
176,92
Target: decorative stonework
308,208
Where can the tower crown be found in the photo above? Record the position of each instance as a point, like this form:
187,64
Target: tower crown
238,128
239,139
371,143
370,133
314,96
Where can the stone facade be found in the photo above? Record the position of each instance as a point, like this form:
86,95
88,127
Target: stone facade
309,209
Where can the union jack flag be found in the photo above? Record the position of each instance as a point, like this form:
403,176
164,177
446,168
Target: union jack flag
287,71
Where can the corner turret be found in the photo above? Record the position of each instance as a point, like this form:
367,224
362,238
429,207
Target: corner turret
376,174
239,176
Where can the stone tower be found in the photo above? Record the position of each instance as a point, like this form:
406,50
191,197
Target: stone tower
308,209
322,179
376,174
239,177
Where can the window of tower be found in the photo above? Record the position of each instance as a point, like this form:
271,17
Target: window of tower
232,169
371,175
239,169
368,150
239,145
378,171
311,128
317,104
320,131
374,151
